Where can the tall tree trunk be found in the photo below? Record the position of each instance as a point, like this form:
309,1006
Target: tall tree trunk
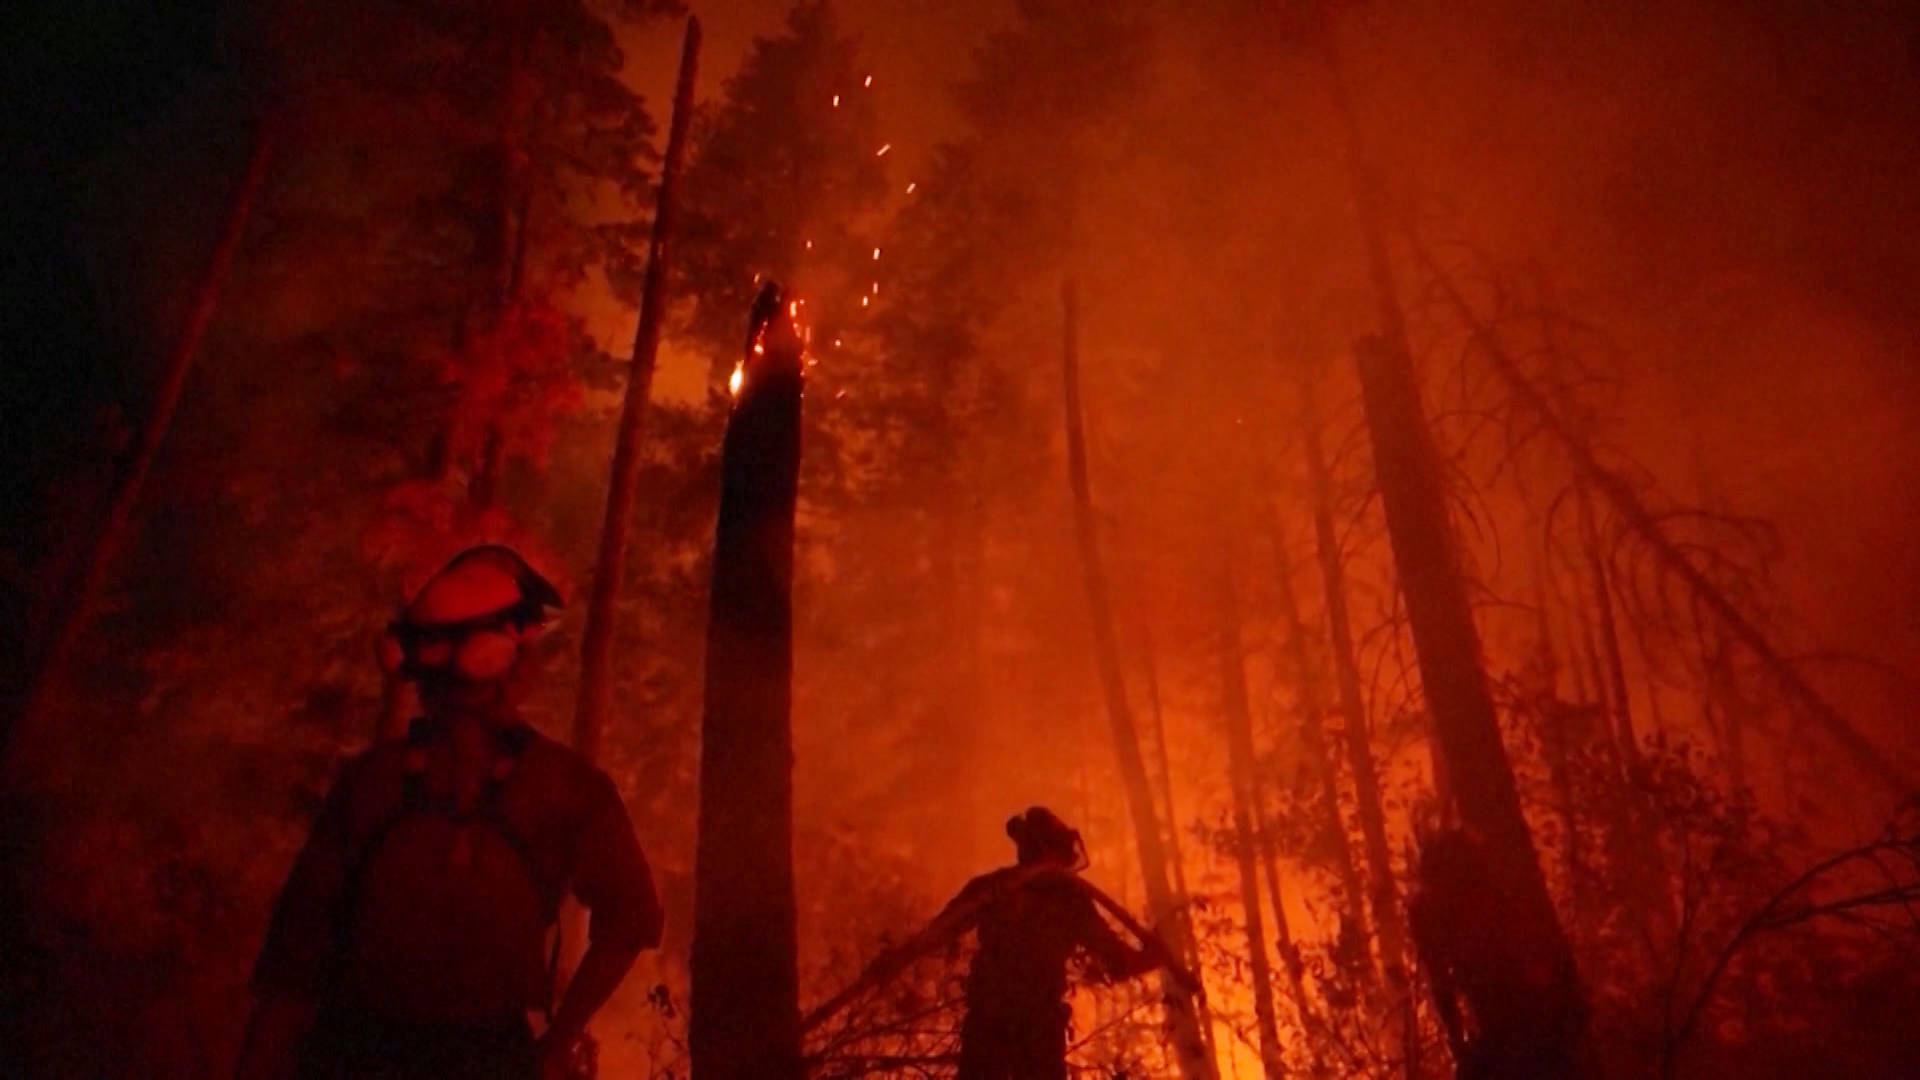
1620,707
71,621
1448,647
1387,918
1426,556
745,995
1237,717
1190,949
1169,911
1313,739
596,645
1555,720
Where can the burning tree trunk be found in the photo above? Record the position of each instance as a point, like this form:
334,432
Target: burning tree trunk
596,647
1237,718
74,614
745,1000
1167,908
1385,898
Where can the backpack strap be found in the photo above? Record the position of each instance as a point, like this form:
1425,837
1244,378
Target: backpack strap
422,734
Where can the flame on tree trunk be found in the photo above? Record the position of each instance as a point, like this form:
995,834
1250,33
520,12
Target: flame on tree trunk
596,647
1169,910
74,614
1237,718
745,1022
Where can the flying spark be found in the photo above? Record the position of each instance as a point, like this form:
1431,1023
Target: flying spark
737,379
910,188
876,254
882,152
863,301
869,81
836,101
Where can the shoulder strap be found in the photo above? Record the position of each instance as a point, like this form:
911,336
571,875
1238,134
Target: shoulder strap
415,799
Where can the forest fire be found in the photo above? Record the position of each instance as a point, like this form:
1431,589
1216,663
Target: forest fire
1327,557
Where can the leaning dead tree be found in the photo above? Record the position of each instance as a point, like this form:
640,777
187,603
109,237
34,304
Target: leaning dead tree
1413,492
745,1022
596,643
1168,910
77,608
1635,514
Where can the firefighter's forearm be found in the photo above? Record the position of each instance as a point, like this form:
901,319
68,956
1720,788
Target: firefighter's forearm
600,974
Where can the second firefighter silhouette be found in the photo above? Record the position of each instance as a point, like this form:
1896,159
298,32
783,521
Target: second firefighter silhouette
1032,919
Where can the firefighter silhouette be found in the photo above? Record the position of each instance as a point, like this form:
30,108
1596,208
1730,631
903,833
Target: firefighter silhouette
414,934
1033,920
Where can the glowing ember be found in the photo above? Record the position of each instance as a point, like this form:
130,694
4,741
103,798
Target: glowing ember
876,253
910,188
876,288
863,301
836,101
882,152
869,81
739,376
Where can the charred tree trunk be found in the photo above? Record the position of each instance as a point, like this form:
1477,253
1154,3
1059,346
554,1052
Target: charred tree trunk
1189,949
73,615
1385,897
745,994
1313,739
1448,646
596,647
1620,705
1237,717
1426,557
1556,719
1168,910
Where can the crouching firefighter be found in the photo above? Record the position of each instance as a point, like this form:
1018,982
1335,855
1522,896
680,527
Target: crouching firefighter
412,937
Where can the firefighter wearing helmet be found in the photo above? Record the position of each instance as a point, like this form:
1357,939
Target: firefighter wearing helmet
416,931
